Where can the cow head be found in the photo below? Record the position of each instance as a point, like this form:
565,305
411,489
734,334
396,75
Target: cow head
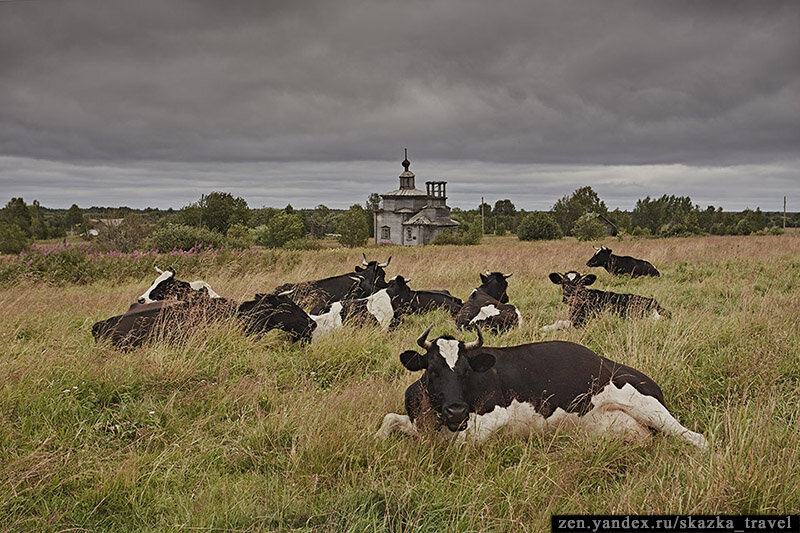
399,291
276,311
572,283
494,284
600,257
373,273
447,363
165,287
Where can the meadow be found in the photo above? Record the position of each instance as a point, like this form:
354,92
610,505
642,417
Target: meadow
228,433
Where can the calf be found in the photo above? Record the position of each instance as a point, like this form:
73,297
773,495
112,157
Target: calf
408,301
487,306
583,302
318,295
621,265
166,287
469,391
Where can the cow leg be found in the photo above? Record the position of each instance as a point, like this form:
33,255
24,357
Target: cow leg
646,410
392,422
557,325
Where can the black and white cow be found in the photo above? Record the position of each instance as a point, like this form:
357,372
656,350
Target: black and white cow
163,319
468,391
584,303
621,265
167,287
318,295
487,306
406,300
276,311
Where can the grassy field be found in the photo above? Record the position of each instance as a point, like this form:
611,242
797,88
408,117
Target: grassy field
227,433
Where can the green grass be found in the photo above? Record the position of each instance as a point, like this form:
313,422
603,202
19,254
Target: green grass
228,433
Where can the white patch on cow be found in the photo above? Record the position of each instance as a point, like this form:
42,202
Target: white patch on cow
448,349
571,276
327,322
197,285
646,410
656,315
557,325
392,422
162,277
485,312
379,305
519,317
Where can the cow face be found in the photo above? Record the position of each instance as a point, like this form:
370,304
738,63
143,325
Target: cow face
494,284
447,363
165,287
571,283
399,291
373,273
600,257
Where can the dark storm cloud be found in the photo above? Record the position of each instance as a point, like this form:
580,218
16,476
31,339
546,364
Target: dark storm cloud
189,86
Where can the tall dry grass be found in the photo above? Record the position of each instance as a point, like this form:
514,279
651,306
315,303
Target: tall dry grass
222,432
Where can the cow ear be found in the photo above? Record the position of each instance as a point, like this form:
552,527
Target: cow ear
588,279
359,269
484,279
556,278
481,362
414,361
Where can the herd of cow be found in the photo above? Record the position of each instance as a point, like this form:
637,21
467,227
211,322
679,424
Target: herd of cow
466,390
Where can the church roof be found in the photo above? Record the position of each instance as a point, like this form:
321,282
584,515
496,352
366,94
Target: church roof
421,220
406,192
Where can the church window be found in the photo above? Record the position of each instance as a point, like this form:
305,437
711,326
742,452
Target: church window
386,232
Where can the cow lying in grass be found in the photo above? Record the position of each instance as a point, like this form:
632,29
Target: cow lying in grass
167,287
468,391
584,303
488,307
621,265
406,300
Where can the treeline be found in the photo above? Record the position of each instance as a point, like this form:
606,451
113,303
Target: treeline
221,220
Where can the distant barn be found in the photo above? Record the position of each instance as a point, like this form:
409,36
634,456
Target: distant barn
409,216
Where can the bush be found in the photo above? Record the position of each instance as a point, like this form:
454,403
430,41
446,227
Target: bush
744,227
466,236
181,237
130,235
238,236
353,227
302,243
13,239
776,230
639,231
281,228
539,226
500,230
588,228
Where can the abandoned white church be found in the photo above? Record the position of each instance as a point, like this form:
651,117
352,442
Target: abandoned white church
409,216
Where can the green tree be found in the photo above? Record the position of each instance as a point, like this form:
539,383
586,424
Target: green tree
282,228
131,234
538,226
353,227
570,208
182,237
372,204
17,213
320,222
588,228
220,210
74,217
13,239
39,228
238,236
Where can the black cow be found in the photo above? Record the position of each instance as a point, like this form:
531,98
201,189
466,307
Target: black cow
164,319
167,287
469,391
318,295
621,265
487,306
583,302
276,311
408,301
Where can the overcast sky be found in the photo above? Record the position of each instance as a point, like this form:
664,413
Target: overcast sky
153,102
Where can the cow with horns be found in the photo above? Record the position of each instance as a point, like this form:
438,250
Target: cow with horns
406,300
488,307
468,391
584,303
318,295
621,265
167,287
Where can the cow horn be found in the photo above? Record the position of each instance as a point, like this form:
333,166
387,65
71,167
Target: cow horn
286,293
487,273
158,269
508,275
172,269
421,340
365,259
386,264
476,343
596,248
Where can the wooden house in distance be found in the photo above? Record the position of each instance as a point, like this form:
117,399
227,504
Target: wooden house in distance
409,216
